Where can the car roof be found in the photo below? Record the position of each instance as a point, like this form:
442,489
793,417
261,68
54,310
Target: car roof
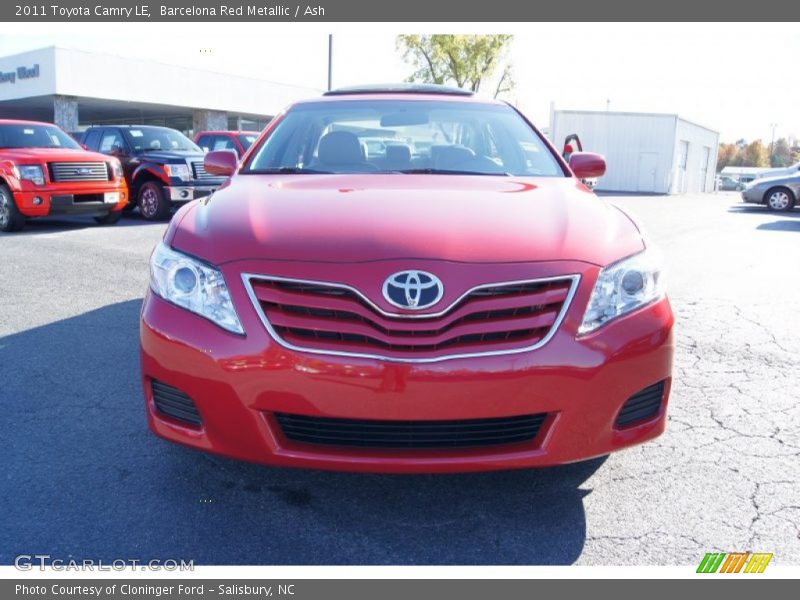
400,88
25,122
128,126
401,92
231,131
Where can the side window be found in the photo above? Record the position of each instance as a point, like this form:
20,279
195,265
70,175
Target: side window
222,142
92,140
111,139
204,141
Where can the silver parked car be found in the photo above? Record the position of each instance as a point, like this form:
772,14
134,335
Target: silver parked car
776,193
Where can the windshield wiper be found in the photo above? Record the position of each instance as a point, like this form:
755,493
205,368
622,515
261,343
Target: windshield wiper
286,171
431,171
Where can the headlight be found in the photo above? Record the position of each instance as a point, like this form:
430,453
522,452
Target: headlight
622,287
182,172
32,173
193,285
116,168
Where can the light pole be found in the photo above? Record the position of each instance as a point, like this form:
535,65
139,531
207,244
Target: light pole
330,61
772,143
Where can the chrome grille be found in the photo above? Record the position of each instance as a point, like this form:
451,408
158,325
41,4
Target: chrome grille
78,171
199,171
328,318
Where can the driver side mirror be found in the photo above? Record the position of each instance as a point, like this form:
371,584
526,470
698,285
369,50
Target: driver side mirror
221,162
586,165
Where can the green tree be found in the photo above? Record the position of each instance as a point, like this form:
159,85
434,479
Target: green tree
464,60
781,155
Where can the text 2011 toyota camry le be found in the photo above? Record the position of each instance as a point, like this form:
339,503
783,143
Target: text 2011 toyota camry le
406,279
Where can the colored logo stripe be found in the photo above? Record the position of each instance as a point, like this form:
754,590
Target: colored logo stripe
733,562
758,562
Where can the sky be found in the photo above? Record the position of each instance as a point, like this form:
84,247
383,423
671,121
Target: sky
735,78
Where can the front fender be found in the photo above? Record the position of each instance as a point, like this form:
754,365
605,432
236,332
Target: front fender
153,169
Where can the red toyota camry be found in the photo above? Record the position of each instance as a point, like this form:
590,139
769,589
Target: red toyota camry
405,279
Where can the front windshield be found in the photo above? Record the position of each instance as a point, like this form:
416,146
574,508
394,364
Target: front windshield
26,135
404,136
150,139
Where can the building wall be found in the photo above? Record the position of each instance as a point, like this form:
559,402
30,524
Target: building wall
648,153
81,74
43,85
701,160
638,147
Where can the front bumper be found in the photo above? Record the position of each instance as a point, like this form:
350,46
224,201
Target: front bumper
239,383
83,201
184,193
753,196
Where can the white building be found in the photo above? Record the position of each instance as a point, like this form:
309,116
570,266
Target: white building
645,152
75,89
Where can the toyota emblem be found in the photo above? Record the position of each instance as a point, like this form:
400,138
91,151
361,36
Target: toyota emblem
414,290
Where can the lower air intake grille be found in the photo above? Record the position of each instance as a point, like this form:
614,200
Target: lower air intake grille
410,434
174,403
643,405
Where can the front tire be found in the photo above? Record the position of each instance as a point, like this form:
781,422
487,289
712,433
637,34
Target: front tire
153,203
110,219
10,217
779,199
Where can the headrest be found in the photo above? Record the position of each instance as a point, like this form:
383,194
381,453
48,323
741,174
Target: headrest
339,148
450,156
398,153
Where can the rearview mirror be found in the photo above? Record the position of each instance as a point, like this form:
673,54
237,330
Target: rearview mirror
586,165
220,162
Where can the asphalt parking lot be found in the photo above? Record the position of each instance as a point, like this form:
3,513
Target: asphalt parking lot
84,478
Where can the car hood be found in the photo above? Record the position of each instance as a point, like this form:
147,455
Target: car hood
349,218
31,155
780,179
165,156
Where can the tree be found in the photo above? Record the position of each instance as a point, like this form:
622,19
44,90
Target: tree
727,156
755,155
781,154
464,60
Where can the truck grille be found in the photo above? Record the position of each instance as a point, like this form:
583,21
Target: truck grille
61,172
410,434
334,319
199,171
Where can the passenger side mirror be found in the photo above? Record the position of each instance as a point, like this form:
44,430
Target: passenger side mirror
586,165
220,162
117,150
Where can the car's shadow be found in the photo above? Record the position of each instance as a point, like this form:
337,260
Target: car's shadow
84,478
45,225
755,209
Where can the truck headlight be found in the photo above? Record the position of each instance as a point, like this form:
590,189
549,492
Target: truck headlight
32,173
182,172
193,285
623,287
116,169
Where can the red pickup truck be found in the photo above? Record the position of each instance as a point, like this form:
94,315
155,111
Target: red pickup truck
238,141
44,172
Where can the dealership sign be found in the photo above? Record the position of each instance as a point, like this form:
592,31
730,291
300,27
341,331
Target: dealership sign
19,73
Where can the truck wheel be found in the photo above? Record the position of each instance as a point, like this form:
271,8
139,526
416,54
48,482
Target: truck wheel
153,204
109,219
779,199
10,217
